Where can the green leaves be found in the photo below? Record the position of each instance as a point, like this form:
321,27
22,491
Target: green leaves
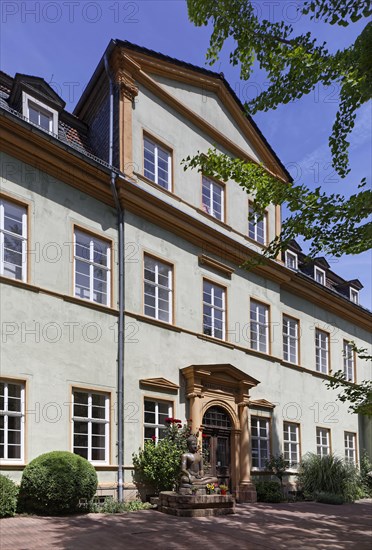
331,223
295,65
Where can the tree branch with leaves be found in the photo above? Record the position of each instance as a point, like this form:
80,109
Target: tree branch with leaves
358,395
294,66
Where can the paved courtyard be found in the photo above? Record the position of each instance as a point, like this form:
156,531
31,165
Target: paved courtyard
261,526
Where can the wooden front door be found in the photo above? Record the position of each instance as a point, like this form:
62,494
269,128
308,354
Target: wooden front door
217,445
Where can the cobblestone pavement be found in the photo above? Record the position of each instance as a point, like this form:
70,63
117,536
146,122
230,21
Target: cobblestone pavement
301,526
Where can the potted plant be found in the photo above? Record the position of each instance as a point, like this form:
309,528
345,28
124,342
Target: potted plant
223,489
210,488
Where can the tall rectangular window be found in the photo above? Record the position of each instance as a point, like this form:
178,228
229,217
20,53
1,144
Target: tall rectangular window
290,339
323,441
214,310
291,443
350,447
13,240
92,268
260,435
157,163
158,289
259,326
91,424
156,412
349,358
213,198
257,227
12,412
322,351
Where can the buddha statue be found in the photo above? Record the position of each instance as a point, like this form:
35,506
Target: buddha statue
192,467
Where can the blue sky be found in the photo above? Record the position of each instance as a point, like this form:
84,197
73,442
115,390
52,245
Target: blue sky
63,42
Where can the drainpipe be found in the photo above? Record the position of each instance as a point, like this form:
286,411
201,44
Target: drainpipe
120,215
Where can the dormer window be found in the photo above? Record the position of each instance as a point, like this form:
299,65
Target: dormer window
354,295
40,114
41,118
319,275
291,260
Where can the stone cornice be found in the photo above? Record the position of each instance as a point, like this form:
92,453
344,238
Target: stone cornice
32,146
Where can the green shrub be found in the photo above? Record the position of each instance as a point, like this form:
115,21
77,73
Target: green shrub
366,474
329,498
329,474
268,491
8,497
53,483
157,466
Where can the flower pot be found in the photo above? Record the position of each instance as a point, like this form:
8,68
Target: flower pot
223,492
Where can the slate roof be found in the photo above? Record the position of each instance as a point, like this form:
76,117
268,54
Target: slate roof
71,130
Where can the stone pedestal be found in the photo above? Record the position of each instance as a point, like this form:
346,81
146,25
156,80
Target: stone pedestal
246,492
196,505
196,490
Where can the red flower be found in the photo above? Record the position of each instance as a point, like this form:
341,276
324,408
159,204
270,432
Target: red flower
189,420
153,437
176,421
205,435
179,425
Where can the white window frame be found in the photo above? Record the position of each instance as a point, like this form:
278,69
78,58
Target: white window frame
253,226
15,414
89,420
261,422
354,295
321,351
321,273
290,341
289,254
92,264
157,425
214,308
22,238
158,286
349,361
158,147
293,443
257,328
27,99
323,441
210,186
350,447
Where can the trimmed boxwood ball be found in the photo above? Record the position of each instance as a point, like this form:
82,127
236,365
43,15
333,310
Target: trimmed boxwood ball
8,497
53,483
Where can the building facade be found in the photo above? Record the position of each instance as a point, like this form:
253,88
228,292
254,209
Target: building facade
243,353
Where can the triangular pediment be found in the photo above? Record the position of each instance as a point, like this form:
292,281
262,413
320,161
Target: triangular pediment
36,87
198,94
161,383
222,372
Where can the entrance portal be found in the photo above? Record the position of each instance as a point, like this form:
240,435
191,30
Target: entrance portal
216,444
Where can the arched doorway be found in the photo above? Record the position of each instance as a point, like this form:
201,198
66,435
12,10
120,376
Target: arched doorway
217,443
